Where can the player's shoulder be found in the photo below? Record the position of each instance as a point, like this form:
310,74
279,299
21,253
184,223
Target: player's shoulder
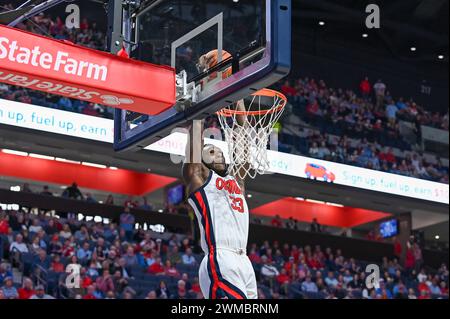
195,176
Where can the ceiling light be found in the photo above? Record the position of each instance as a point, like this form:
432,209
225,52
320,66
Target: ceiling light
315,201
51,158
59,159
365,35
160,211
12,152
334,204
249,195
413,49
321,23
440,57
93,165
436,237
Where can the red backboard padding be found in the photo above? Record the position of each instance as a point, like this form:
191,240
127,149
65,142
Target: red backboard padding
62,68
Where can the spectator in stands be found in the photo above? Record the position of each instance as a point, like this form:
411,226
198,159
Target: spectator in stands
411,294
331,280
57,265
309,286
130,202
45,191
151,295
391,112
170,270
288,89
157,267
65,232
162,292
283,280
145,205
418,259
380,90
51,227
4,225
188,258
26,188
35,226
127,222
276,221
444,289
27,291
35,247
18,245
315,226
82,234
105,282
72,192
174,255
268,271
9,291
90,294
90,199
181,292
109,200
42,260
365,88
4,272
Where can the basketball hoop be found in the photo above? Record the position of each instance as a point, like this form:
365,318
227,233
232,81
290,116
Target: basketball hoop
247,141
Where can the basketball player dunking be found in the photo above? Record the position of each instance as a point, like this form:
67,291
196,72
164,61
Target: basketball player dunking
218,200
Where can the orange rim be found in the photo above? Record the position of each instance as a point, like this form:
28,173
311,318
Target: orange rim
263,92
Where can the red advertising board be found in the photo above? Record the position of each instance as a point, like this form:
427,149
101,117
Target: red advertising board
62,68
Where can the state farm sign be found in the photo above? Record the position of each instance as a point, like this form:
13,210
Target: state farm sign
62,68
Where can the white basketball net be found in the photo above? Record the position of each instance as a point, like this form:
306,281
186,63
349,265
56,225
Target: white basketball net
247,141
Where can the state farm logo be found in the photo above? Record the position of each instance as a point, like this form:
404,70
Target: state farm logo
112,100
58,61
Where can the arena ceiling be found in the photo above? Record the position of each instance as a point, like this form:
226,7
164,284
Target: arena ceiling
422,24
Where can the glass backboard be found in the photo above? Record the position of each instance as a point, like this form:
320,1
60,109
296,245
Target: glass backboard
223,50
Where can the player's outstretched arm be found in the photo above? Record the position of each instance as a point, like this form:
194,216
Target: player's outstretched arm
193,169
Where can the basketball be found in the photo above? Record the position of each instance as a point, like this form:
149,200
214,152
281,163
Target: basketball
211,59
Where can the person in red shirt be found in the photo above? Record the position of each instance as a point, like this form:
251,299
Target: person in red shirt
254,257
86,281
90,293
195,286
312,108
170,270
288,90
57,265
283,277
365,87
424,295
444,288
156,268
27,289
4,226
283,281
276,222
397,248
288,265
314,263
410,260
296,252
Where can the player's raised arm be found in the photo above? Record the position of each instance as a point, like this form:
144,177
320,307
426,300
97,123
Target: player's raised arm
193,169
